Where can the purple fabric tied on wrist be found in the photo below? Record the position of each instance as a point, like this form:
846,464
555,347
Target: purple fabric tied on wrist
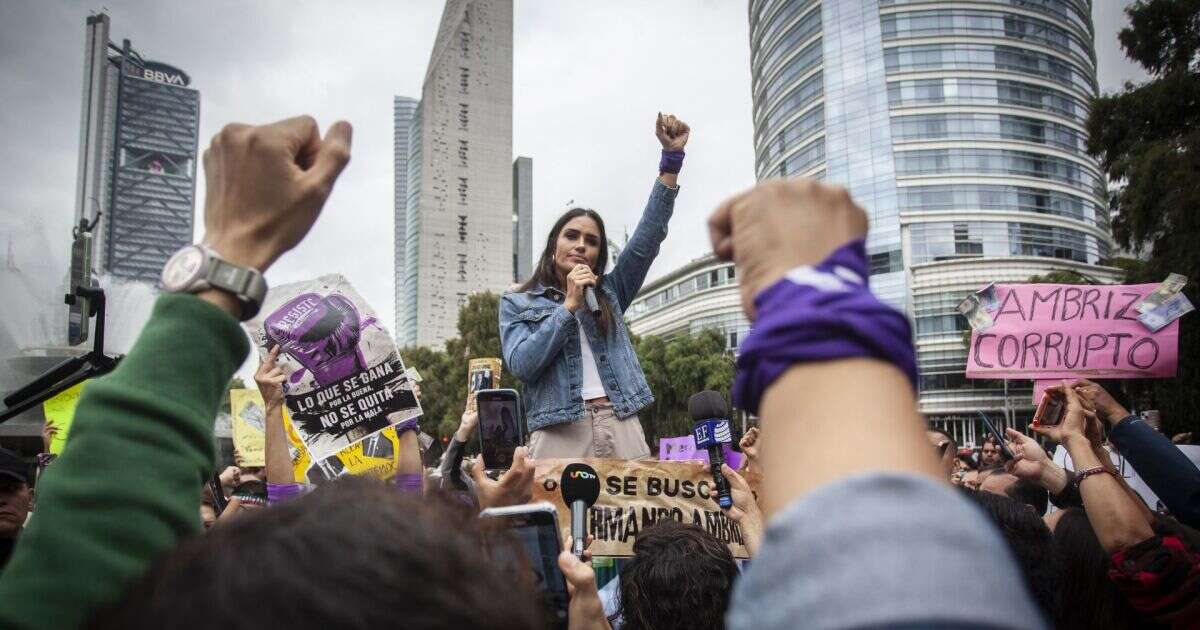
411,424
283,492
818,314
410,483
671,162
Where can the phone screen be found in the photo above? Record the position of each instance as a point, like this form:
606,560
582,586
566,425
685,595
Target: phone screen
536,537
499,429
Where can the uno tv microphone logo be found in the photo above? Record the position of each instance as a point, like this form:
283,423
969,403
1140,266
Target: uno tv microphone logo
581,474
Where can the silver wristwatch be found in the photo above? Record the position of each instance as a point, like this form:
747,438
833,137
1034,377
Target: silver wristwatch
197,268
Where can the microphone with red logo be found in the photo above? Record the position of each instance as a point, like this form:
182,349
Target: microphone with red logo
711,431
580,486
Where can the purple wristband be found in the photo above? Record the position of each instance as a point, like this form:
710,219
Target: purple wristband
282,492
411,424
817,314
410,483
670,162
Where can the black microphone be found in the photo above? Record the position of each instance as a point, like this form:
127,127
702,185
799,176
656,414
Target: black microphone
711,430
589,296
580,487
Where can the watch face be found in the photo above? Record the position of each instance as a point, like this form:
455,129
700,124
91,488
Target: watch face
183,269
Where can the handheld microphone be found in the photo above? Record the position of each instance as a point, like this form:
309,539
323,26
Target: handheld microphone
589,296
580,488
711,431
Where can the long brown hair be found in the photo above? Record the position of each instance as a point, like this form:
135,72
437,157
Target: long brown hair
546,271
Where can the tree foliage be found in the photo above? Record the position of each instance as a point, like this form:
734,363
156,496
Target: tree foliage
675,369
1147,138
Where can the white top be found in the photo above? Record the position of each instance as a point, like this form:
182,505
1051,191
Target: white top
592,387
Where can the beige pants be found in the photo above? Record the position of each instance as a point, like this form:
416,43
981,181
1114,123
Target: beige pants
599,433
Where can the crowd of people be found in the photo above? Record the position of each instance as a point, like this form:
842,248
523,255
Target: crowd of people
863,516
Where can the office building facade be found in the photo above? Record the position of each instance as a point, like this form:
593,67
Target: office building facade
139,132
403,110
960,128
458,228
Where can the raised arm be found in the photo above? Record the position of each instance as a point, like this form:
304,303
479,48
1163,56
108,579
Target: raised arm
531,339
1168,472
1113,513
849,479
270,379
127,485
634,262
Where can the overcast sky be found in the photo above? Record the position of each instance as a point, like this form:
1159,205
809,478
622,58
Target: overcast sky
589,78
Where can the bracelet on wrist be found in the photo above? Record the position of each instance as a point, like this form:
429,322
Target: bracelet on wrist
1094,470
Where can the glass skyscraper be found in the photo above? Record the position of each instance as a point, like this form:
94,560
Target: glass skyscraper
959,127
403,111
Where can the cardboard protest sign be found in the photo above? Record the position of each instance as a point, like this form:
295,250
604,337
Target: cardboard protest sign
483,374
60,410
635,494
1056,331
345,379
377,455
246,408
683,448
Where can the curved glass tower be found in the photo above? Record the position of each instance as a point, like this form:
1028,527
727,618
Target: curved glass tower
959,126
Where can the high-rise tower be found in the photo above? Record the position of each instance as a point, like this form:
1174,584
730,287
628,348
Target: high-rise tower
458,229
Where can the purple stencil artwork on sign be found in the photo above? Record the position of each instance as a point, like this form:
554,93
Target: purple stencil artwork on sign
319,332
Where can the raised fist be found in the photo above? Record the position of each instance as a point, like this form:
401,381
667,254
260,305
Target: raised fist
671,132
321,333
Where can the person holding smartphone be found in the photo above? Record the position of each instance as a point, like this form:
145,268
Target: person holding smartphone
583,383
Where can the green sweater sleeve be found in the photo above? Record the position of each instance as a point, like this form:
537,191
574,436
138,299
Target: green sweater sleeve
127,486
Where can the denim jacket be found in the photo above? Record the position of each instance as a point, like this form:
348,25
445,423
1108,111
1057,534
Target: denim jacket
540,338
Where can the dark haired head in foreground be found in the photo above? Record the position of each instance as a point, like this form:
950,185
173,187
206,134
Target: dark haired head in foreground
1032,545
679,577
1090,598
353,554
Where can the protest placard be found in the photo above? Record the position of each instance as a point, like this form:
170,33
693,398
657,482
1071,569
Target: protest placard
249,437
60,410
345,379
683,448
1056,331
483,374
377,455
635,494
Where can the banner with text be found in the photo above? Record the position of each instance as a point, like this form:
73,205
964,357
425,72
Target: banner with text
635,494
1056,331
345,379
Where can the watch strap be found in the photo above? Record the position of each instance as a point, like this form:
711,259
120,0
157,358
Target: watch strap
245,283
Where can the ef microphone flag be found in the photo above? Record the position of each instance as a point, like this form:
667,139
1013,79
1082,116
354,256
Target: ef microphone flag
711,430
580,487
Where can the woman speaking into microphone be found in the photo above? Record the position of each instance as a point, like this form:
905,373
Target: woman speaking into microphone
563,334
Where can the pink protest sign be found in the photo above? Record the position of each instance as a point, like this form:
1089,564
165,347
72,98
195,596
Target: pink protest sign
1057,331
683,448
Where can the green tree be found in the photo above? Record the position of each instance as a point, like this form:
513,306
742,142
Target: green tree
675,369
1147,138
444,389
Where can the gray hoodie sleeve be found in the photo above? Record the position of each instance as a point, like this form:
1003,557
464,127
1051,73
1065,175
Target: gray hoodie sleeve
882,550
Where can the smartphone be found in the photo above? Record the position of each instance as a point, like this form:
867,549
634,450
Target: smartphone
500,423
1050,410
1007,452
534,529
